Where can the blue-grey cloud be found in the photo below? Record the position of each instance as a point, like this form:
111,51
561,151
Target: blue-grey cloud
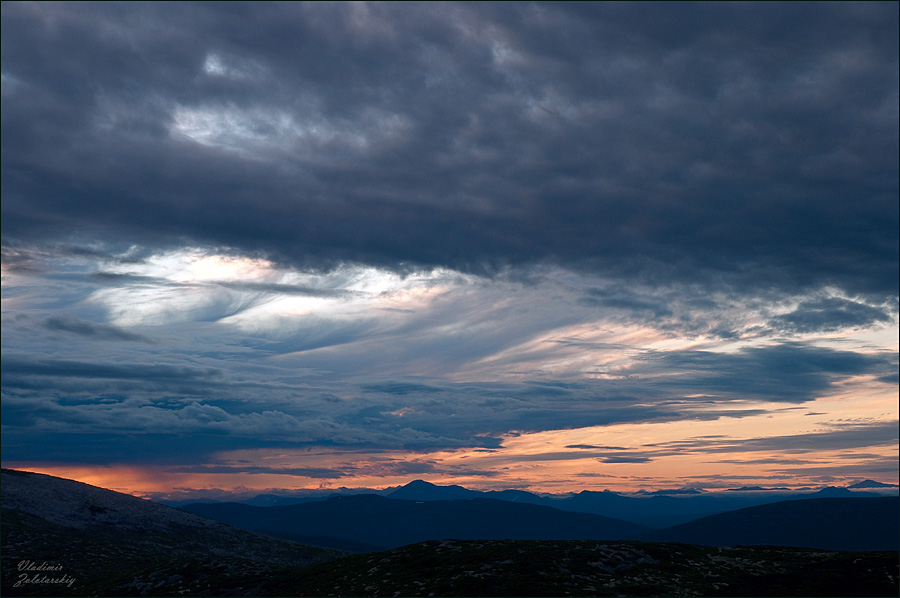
830,314
247,400
74,325
400,388
847,436
302,472
626,459
790,372
16,368
625,300
890,378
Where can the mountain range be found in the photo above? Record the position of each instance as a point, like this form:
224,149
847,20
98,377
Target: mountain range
379,522
364,523
656,509
61,537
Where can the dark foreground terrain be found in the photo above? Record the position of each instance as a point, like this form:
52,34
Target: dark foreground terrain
473,568
64,538
590,568
85,541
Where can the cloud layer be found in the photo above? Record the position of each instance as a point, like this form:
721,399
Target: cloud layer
396,239
750,145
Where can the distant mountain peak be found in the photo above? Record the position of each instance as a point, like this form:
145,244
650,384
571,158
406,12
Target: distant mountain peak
834,491
871,484
605,492
419,484
422,490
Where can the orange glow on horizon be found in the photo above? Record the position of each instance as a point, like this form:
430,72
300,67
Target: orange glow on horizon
156,482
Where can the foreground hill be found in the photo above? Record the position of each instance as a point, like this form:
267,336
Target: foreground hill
829,523
586,568
369,522
97,541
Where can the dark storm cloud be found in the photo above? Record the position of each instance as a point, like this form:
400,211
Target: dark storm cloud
23,366
248,401
747,145
626,459
890,378
74,325
58,445
789,372
400,388
830,314
626,300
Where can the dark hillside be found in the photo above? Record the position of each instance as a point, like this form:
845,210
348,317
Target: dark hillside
101,542
829,523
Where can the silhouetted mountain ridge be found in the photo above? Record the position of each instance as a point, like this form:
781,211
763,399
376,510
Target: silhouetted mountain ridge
390,522
654,508
369,522
657,509
422,490
871,484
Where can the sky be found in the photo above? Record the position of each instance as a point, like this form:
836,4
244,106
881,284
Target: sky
548,246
